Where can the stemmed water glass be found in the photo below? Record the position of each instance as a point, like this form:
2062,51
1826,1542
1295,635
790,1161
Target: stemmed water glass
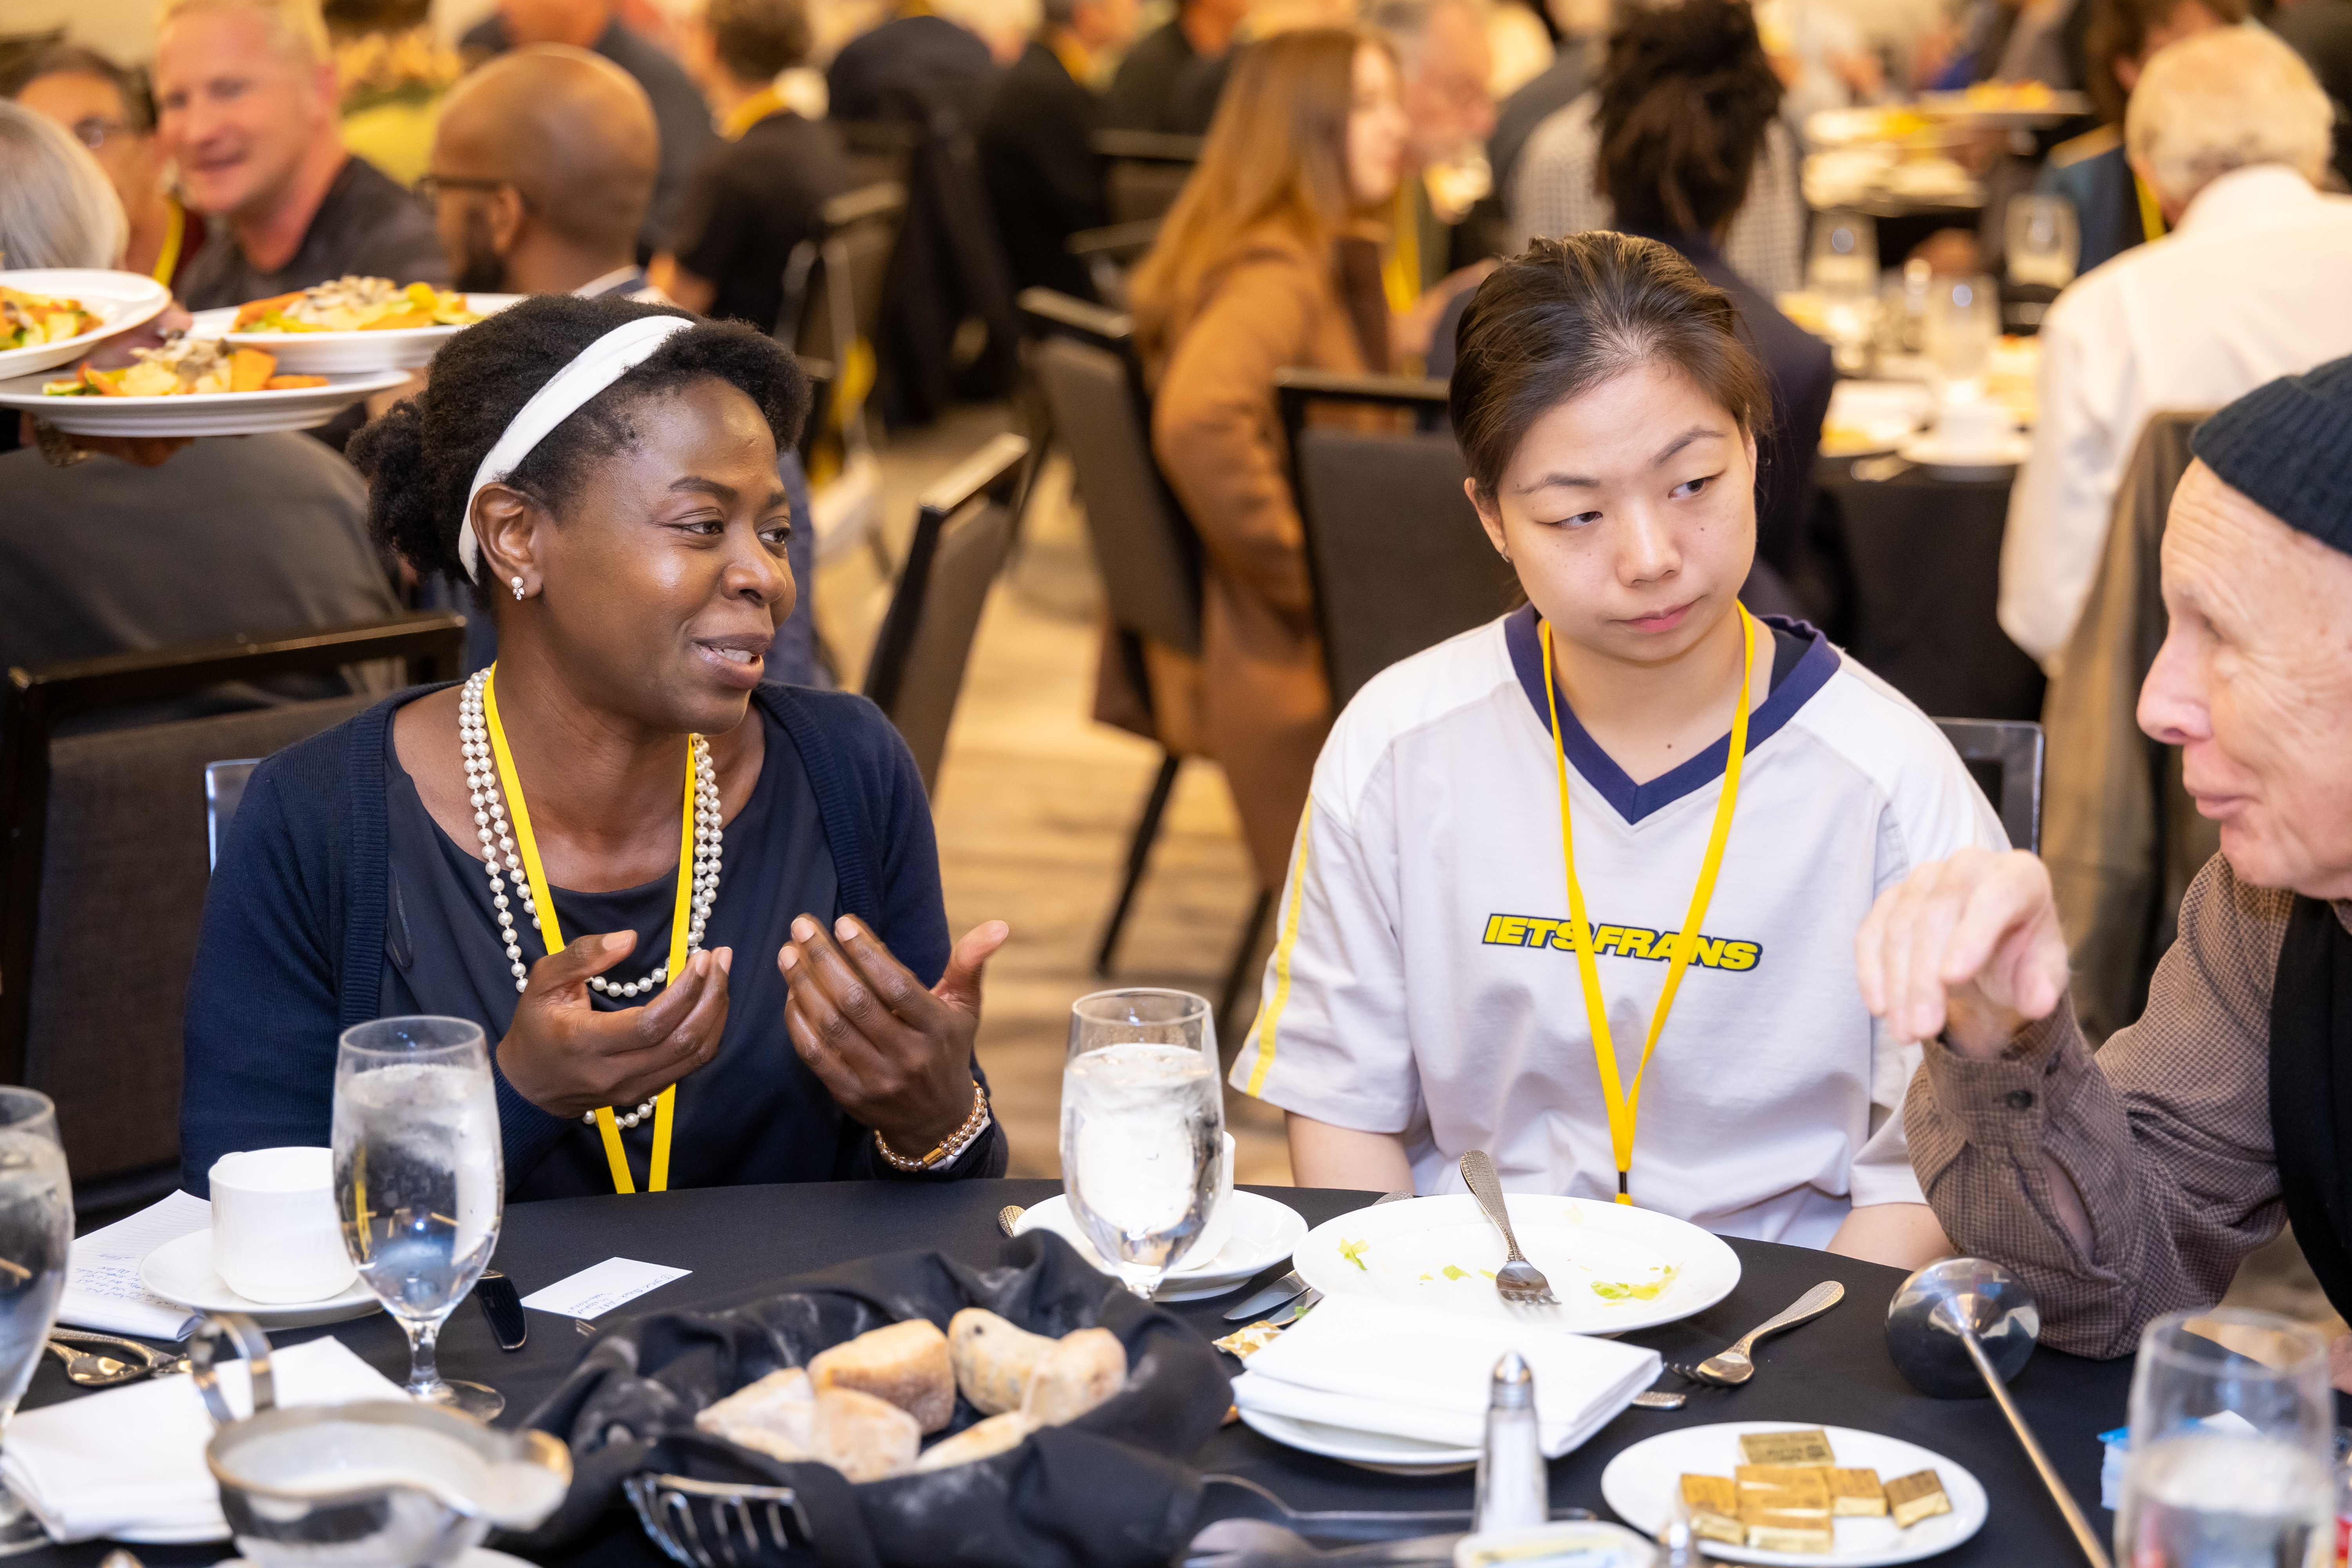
1143,1124
2232,1429
36,1237
420,1181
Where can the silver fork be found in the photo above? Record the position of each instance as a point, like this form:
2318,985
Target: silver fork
1518,1281
1732,1367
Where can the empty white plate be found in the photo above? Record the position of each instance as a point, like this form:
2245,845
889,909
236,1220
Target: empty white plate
1613,1267
1370,1450
1975,460
182,1271
1642,1482
1264,1234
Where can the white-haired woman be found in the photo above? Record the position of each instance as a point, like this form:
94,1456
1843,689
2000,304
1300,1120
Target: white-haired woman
56,207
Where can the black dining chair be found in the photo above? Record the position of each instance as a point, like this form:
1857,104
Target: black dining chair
109,841
1394,550
2009,752
1144,170
833,287
963,532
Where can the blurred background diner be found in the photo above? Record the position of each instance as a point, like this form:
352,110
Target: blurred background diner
1997,259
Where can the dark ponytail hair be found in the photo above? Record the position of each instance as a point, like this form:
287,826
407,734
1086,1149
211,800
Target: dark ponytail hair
419,459
1570,313
1686,95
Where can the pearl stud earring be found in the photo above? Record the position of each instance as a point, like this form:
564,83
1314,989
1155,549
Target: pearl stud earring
517,583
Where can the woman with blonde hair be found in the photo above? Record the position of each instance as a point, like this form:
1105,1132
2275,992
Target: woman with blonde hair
1268,260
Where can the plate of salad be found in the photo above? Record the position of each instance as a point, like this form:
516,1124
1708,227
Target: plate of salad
351,324
53,315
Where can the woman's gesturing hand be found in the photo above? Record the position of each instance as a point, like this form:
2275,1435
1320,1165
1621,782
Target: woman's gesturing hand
897,1057
568,1058
1972,942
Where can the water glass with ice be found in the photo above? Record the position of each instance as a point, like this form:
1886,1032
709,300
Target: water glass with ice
1143,1122
2233,1430
420,1181
36,1233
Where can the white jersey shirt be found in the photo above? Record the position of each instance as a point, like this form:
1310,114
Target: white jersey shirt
1424,982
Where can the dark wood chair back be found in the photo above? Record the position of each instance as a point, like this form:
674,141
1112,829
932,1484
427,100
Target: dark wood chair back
2010,751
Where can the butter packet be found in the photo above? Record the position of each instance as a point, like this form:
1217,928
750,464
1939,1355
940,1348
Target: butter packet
1915,1496
1809,1446
1247,1341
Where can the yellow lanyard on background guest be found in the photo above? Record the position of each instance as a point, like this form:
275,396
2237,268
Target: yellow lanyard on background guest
616,1154
176,234
1624,1104
751,112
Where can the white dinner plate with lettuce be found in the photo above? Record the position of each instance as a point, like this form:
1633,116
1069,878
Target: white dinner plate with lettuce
196,414
332,354
120,300
1614,1268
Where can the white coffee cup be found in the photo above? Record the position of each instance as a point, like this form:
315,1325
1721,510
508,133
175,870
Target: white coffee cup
1974,424
1219,1227
275,1235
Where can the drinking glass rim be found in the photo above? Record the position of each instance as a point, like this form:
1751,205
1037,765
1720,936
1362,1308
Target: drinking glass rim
412,1050
17,1098
2162,1341
1201,1007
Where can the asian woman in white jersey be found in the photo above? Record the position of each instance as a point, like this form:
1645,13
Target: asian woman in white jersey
1579,887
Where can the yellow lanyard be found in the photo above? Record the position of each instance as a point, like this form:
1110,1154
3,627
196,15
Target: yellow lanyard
176,229
750,112
1624,1105
543,894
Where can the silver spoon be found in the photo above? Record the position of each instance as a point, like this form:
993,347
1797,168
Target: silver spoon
85,1369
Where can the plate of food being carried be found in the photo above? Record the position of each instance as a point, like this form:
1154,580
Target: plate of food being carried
1613,1267
190,385
51,316
351,324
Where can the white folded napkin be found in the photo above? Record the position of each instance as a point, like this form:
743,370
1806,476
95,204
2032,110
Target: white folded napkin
133,1459
1371,1366
102,1288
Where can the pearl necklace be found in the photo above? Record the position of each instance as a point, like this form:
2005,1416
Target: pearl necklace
497,835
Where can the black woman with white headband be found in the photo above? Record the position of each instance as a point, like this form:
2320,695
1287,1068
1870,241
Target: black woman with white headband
516,849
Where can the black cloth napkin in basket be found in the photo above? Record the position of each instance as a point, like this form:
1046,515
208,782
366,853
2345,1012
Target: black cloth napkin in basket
1108,1489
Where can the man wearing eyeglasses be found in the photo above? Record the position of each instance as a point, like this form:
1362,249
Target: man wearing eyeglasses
543,163
107,109
245,97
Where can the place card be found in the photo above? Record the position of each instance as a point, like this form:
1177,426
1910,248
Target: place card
592,1292
102,1290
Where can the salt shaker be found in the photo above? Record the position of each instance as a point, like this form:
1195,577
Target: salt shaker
1513,1493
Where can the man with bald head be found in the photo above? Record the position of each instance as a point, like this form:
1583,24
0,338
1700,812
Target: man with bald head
543,163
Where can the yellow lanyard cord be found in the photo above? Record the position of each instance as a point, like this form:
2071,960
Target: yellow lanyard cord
176,231
1623,1105
543,895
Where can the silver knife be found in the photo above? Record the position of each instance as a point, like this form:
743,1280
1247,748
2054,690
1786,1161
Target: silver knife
1296,1310
1282,1289
1290,1285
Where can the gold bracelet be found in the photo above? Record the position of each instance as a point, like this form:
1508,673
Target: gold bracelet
956,1143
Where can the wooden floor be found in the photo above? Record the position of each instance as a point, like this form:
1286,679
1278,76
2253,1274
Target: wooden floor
1035,804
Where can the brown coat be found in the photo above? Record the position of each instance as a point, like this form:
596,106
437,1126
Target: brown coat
1265,704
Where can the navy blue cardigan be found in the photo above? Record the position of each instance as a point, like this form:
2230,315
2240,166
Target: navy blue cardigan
292,949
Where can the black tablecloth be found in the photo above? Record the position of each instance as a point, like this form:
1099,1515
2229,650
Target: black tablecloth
739,1241
1921,583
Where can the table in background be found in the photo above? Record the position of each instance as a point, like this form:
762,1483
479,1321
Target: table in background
741,1242
1922,588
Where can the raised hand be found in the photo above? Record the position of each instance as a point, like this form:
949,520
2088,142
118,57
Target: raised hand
568,1058
896,1057
1971,942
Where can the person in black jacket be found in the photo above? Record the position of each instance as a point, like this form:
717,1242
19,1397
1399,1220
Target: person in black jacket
1045,178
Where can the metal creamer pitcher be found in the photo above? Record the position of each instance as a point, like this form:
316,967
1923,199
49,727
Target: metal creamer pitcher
381,1484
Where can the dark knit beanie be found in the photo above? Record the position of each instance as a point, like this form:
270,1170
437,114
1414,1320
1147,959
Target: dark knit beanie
2287,447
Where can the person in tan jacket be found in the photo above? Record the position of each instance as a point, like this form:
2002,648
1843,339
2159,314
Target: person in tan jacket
1266,261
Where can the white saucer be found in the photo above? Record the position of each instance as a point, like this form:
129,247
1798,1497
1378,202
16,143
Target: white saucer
1379,1451
1642,1483
182,1272
1947,460
1264,1234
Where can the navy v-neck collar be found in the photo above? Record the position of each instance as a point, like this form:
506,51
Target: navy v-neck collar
1794,682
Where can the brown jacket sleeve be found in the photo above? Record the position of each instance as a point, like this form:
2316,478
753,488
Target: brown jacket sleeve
1218,433
2166,1135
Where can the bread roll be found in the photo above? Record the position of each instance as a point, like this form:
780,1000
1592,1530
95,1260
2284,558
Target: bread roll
864,1438
980,1440
775,1415
993,1358
906,1363
1081,1370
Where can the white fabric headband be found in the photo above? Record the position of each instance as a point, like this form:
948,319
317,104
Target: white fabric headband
594,369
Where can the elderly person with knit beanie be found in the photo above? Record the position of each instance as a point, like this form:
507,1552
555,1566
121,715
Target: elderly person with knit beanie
2130,1185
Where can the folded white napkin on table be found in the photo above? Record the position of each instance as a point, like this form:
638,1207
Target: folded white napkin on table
102,1288
1371,1366
133,1459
